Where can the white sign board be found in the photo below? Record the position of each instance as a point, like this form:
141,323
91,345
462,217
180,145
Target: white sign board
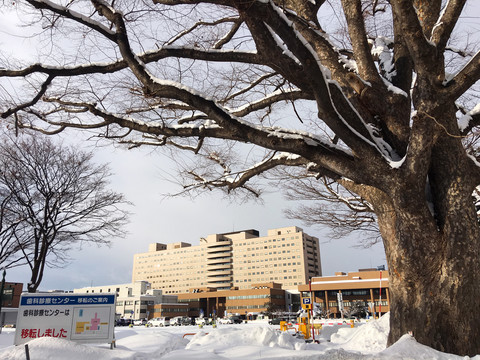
78,317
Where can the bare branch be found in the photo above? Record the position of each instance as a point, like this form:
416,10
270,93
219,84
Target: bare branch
447,21
358,35
423,52
465,78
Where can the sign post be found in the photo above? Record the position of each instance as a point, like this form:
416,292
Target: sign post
86,318
311,307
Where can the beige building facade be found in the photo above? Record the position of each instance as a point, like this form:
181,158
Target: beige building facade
286,256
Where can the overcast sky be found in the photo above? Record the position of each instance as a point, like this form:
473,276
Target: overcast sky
140,176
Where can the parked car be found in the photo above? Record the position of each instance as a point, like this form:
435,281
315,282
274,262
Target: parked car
276,321
180,320
225,320
202,321
123,322
159,321
140,322
236,319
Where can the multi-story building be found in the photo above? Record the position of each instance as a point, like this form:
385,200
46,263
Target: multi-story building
287,256
369,287
134,301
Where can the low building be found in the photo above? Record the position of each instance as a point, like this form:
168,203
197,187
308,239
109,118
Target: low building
134,301
367,287
11,294
10,302
244,302
171,310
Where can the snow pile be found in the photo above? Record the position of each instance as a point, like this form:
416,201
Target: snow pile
368,339
408,348
232,342
53,348
149,342
259,336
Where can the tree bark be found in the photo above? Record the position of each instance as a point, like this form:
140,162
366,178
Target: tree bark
434,282
434,272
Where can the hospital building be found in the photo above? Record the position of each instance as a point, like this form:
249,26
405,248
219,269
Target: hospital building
229,261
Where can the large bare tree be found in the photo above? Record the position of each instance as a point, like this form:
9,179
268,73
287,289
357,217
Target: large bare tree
53,198
382,105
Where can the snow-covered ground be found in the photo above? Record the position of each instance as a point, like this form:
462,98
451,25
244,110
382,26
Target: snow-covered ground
240,342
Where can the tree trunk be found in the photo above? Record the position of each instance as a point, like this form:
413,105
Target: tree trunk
434,275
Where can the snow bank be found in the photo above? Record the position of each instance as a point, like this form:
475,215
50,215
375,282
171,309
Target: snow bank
408,348
231,342
155,343
53,348
367,339
260,336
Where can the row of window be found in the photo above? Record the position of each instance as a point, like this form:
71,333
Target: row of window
245,297
136,302
169,310
350,303
245,307
357,292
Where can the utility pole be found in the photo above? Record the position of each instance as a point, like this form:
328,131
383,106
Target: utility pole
311,308
380,305
1,299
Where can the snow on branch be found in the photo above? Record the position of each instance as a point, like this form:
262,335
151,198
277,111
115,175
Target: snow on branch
446,22
76,16
469,119
239,179
270,99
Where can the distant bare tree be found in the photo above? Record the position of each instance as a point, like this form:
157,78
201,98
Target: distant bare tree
374,95
52,197
9,247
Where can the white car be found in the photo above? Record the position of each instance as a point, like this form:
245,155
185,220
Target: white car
225,320
180,320
139,322
203,321
159,321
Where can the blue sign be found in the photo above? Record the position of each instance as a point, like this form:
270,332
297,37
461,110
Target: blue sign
77,317
56,300
306,301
